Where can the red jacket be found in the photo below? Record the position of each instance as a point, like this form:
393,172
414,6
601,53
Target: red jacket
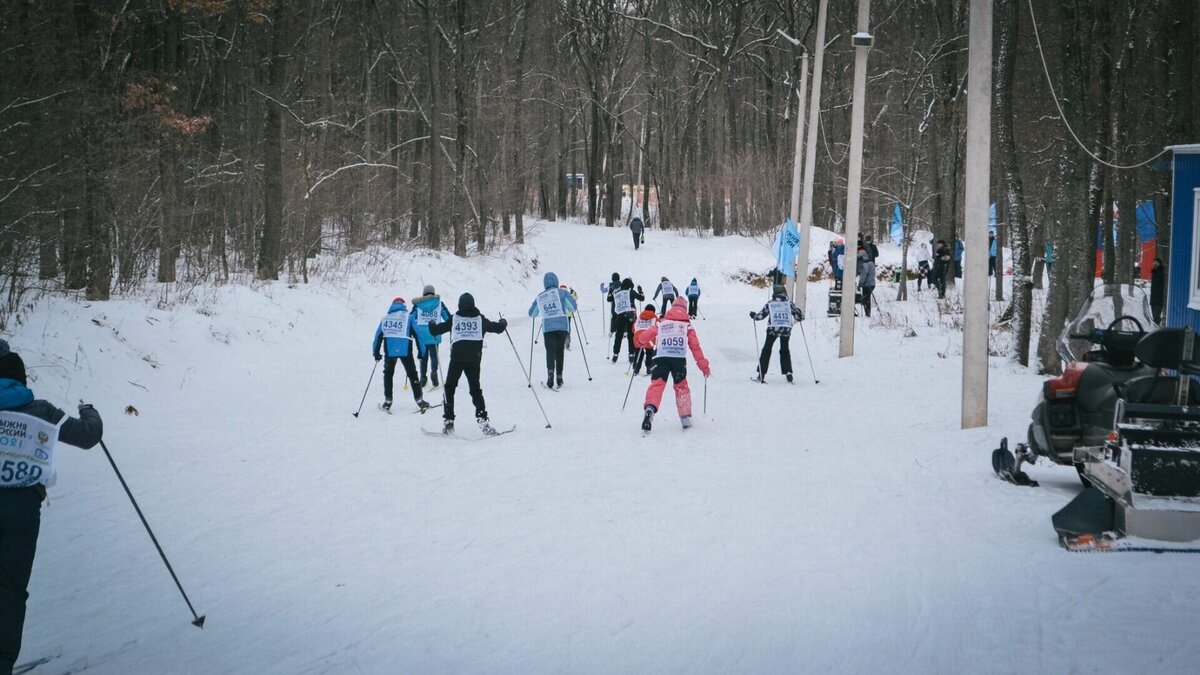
677,312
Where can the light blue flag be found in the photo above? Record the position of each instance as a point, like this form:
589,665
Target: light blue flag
897,229
787,244
992,223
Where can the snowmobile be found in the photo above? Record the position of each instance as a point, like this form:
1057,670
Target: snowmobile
1076,408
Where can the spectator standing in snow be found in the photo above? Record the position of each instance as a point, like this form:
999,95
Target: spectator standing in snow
991,253
866,279
674,337
781,315
624,301
839,261
1158,288
466,328
959,249
636,226
1049,256
32,428
646,320
429,309
923,260
395,334
555,306
693,296
667,289
941,266
872,249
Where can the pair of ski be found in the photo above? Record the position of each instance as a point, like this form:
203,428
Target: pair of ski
420,411
649,418
452,434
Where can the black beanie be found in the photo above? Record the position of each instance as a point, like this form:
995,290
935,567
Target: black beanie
11,365
466,301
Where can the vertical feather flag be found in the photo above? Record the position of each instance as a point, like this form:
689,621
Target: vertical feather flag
787,244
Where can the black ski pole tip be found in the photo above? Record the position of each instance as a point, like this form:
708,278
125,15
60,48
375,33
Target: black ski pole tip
355,414
199,622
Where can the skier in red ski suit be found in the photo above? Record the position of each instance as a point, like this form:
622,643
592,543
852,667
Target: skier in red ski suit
674,336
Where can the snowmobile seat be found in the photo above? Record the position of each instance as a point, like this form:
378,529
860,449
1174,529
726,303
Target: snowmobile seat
1156,389
1163,348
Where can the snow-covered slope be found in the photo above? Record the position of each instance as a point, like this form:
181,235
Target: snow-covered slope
846,526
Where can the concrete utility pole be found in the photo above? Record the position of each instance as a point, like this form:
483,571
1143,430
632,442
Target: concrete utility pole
800,265
978,178
800,296
862,44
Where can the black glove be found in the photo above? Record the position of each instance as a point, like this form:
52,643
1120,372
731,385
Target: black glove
378,357
503,324
801,314
752,315
85,406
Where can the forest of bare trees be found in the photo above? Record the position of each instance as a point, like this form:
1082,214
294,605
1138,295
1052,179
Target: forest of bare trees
157,141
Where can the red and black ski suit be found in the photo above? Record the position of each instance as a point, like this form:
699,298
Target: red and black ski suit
676,367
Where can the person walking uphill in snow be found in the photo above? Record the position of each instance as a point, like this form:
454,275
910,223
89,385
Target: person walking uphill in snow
29,430
429,309
645,321
674,336
395,335
623,299
555,306
667,289
466,329
866,279
637,227
781,315
693,297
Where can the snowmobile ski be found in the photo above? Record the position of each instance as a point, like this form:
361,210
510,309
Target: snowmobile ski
1109,543
30,665
1005,466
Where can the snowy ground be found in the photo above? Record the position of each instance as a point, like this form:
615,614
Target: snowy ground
848,526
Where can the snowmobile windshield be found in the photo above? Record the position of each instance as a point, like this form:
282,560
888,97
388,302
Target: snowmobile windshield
1107,303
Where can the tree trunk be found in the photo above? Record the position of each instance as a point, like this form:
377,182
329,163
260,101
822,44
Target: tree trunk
433,214
270,245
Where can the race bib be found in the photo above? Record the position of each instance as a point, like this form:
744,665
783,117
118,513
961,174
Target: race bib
621,302
672,339
467,328
693,290
668,289
550,304
26,450
428,316
642,324
395,324
780,314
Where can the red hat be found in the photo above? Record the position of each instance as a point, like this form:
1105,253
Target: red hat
398,299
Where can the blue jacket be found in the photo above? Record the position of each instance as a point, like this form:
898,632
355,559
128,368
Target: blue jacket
429,303
693,289
395,346
959,247
558,324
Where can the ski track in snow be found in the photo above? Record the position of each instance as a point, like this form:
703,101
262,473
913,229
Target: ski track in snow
848,526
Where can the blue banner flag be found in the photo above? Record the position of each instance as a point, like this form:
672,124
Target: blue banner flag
787,244
897,230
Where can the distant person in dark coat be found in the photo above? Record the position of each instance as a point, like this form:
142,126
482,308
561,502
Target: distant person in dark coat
637,226
1158,290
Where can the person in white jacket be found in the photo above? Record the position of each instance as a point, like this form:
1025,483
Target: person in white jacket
924,260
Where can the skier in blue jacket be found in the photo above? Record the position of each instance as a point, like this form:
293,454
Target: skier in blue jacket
693,296
555,306
429,309
395,334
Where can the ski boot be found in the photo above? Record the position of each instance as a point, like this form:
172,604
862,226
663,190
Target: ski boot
485,426
559,383
549,381
647,420
614,358
686,421
448,427
424,381
789,377
387,405
423,405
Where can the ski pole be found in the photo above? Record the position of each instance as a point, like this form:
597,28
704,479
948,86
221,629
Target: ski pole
705,394
808,353
529,373
364,398
531,389
197,621
582,351
579,327
701,313
626,401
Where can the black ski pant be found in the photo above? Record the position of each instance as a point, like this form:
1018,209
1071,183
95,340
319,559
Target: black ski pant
471,370
643,356
922,273
556,342
623,331
430,358
667,300
785,354
866,292
693,305
637,240
20,521
410,369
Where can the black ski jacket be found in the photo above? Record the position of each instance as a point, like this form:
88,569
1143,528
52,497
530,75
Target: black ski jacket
468,351
781,331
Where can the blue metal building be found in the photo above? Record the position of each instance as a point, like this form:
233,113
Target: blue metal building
1183,269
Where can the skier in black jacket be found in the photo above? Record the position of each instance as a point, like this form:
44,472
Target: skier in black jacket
624,301
466,329
30,429
781,314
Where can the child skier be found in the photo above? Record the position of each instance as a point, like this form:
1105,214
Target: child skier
555,306
668,293
693,296
624,309
466,329
645,321
395,333
780,314
674,336
429,309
